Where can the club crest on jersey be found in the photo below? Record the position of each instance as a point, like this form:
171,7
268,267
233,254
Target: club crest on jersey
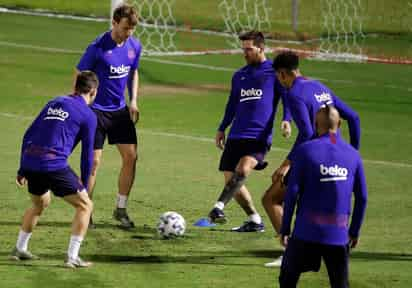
108,53
250,94
56,114
324,97
119,71
131,54
333,173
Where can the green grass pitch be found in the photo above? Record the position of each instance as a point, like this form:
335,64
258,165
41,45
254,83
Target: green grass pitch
177,170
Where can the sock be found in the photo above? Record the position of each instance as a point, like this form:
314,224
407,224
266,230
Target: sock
23,241
220,205
255,217
121,201
74,246
231,187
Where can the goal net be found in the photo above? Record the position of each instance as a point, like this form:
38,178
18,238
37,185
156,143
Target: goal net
244,15
345,30
157,25
342,26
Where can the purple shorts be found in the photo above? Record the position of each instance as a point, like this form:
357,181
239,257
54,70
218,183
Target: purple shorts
303,256
61,182
235,149
116,125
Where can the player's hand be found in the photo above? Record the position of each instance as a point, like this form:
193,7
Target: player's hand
134,112
353,242
220,140
21,181
280,173
284,239
286,129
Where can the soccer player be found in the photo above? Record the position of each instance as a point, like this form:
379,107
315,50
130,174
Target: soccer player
250,111
305,97
114,57
47,144
324,174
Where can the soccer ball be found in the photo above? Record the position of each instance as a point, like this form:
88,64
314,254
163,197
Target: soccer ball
171,224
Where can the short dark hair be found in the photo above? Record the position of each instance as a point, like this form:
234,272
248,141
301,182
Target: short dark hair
288,60
256,36
126,11
85,82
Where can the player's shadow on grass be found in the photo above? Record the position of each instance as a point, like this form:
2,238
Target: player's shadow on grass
220,258
381,256
223,260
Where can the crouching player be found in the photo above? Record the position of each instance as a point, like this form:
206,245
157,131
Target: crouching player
326,172
47,144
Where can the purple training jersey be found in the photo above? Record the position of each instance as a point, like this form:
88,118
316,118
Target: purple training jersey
305,98
54,134
252,103
326,172
113,65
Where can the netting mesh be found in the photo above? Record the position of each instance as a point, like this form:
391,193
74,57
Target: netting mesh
244,15
331,29
157,25
343,26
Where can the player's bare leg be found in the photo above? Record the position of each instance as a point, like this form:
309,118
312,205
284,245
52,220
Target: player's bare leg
128,153
84,207
234,187
30,219
97,158
273,203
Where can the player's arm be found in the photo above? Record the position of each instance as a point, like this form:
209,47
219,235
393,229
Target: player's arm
26,137
87,131
230,111
300,115
352,117
87,61
361,197
20,178
285,125
133,87
293,188
133,84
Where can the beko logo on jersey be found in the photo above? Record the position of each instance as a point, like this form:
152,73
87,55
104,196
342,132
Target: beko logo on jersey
337,173
250,94
324,97
121,71
56,114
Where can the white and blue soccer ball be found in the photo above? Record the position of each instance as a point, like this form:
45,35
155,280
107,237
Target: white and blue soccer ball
171,225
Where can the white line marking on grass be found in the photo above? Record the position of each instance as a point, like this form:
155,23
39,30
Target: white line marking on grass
189,64
211,140
196,65
40,48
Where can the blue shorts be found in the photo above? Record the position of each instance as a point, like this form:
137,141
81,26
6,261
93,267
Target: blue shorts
303,256
116,125
62,182
235,149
